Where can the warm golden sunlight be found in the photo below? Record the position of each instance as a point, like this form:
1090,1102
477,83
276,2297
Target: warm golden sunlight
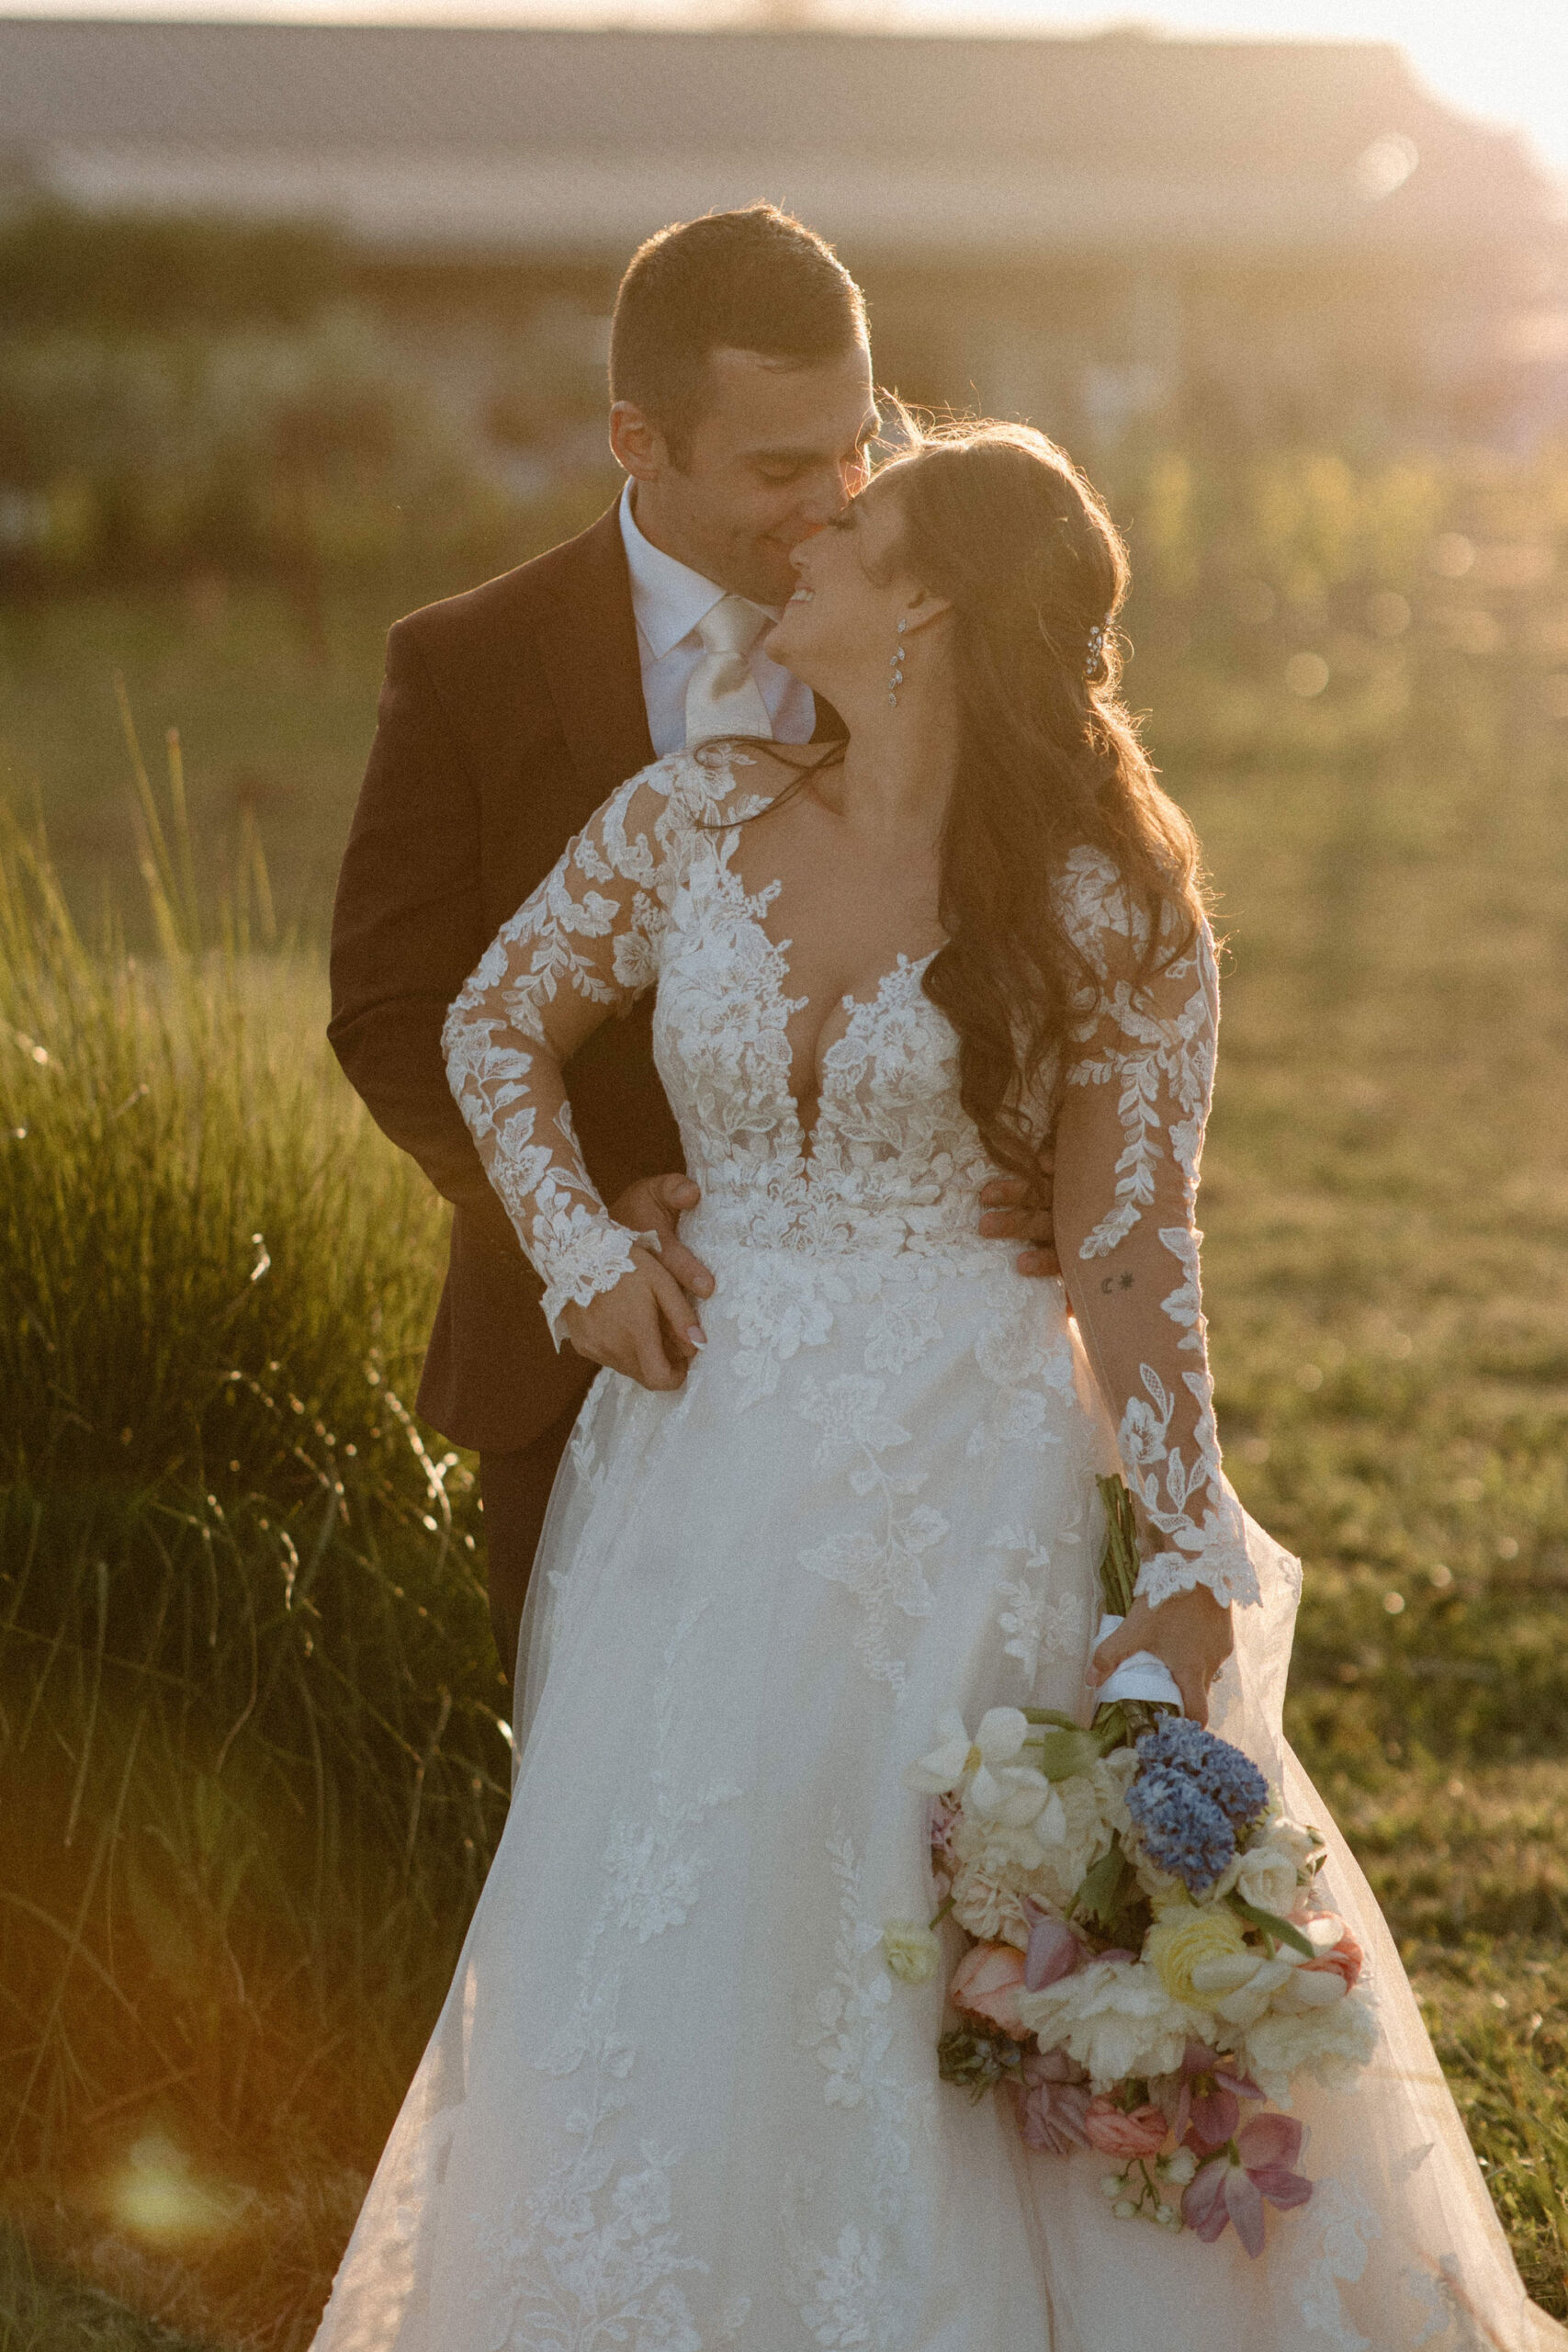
748,1597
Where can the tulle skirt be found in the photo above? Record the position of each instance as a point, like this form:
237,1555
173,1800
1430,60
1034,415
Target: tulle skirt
676,2101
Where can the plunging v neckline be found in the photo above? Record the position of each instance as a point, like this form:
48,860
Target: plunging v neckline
779,1004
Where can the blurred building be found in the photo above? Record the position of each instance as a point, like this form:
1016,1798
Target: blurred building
1233,238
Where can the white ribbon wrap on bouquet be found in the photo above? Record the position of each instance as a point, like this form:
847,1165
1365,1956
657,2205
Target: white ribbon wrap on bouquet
1142,1676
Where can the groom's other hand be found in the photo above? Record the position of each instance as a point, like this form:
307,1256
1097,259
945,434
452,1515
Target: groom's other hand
653,1205
1015,1211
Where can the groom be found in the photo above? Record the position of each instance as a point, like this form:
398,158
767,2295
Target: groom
741,414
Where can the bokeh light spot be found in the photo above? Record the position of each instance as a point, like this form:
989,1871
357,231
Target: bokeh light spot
1307,674
156,2196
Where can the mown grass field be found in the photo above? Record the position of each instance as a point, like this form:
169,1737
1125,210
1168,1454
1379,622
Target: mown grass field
247,1696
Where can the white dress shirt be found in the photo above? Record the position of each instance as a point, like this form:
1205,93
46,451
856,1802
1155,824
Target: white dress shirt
669,599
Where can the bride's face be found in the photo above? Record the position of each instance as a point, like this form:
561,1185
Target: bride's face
841,624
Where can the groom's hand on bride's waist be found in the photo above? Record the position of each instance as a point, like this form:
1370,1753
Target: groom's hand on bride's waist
654,1204
1012,1210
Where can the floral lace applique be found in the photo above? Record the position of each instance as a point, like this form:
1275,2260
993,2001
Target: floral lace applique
879,1566
905,1324
1149,1046
1449,2317
852,2291
1337,2233
1038,1623
570,954
591,2254
1033,1371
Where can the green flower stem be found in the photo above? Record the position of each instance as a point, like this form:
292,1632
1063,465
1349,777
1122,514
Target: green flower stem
1269,1925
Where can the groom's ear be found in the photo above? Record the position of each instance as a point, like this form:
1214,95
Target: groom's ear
637,444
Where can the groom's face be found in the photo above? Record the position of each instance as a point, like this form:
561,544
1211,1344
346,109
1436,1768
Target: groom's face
777,452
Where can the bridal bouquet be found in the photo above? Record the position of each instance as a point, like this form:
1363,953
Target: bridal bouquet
1147,1962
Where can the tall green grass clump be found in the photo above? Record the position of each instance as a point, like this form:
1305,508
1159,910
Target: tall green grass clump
249,1733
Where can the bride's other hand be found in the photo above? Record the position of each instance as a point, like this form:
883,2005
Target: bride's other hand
643,1326
654,1204
1191,1632
1015,1211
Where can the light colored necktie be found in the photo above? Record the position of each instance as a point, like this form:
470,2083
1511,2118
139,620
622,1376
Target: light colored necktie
722,696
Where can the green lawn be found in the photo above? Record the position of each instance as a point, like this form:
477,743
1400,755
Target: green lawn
299,1807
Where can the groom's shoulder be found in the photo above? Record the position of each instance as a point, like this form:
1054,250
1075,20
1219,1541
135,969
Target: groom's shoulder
580,574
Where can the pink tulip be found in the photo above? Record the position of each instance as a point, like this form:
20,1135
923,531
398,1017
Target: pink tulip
986,1984
1118,2133
1053,1951
1052,2100
1228,2189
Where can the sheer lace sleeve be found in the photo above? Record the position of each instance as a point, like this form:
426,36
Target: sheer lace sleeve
584,946
1128,1143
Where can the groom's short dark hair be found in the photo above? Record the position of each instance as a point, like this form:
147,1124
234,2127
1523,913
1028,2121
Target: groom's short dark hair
751,280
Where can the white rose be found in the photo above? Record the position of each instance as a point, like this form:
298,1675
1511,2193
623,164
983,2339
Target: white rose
1111,1777
1291,1838
1332,2045
1266,1877
1082,1838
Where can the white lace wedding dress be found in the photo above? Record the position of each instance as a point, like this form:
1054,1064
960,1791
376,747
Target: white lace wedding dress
676,2101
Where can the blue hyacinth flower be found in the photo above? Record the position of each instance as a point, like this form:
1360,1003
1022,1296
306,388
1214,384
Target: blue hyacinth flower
1227,1777
1185,1833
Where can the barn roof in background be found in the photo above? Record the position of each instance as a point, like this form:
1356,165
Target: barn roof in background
423,139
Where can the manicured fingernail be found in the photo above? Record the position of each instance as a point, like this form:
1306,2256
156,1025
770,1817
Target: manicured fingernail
696,1336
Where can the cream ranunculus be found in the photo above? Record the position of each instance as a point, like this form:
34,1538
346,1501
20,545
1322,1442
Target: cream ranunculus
910,1950
1245,1997
1184,1939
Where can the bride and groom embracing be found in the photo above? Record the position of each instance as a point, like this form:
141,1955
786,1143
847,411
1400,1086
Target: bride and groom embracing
788,823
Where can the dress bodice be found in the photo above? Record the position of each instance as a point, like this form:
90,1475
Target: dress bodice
892,1160
886,1181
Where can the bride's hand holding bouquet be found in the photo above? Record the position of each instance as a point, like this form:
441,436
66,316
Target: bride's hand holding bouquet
1190,1633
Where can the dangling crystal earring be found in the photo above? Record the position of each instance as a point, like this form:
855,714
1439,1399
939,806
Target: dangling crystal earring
896,668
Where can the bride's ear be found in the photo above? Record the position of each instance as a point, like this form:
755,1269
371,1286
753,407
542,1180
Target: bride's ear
923,610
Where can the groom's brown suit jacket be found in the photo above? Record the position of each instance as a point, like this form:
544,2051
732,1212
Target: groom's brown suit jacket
508,715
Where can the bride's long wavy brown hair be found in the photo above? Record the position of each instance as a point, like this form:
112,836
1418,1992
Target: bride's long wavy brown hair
1001,522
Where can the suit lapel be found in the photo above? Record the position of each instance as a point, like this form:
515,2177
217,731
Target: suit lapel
586,639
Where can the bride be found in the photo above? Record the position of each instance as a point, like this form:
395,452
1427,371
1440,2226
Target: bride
675,2101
